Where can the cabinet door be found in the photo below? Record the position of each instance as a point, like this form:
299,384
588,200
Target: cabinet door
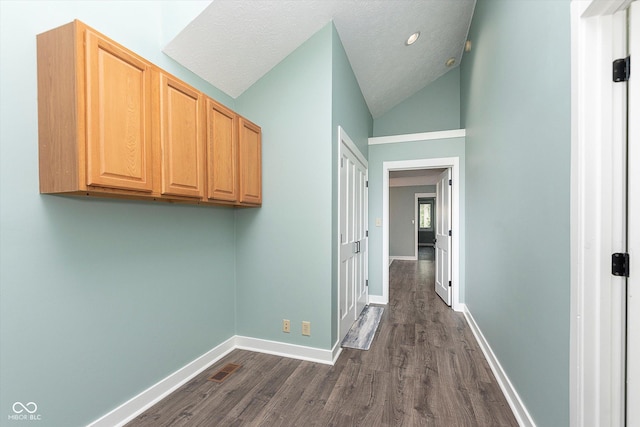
222,154
250,163
118,124
181,138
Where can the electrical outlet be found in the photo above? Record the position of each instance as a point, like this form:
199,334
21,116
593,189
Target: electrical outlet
306,328
286,325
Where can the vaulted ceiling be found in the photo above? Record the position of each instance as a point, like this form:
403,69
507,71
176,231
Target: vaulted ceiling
233,43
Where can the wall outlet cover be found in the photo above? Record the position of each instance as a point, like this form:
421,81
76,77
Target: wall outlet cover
306,328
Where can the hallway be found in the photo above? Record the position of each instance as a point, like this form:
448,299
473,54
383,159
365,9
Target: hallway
424,368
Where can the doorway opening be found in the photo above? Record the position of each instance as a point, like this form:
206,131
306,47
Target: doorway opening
450,165
425,220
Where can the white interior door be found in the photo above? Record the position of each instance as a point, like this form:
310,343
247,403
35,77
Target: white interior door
353,290
633,224
443,237
361,283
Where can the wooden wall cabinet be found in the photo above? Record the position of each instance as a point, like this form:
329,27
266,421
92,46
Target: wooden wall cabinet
182,132
222,153
112,124
250,163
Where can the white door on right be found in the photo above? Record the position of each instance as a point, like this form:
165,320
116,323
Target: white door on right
633,223
443,237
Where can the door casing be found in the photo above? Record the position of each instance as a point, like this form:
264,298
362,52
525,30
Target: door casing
435,163
598,120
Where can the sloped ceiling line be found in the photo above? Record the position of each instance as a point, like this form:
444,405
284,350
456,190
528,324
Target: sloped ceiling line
233,43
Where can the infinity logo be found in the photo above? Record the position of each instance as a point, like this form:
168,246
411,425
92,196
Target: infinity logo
30,407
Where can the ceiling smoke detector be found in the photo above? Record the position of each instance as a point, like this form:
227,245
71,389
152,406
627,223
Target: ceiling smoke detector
412,38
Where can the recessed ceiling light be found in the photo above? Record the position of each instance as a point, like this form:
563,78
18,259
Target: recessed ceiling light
450,62
412,38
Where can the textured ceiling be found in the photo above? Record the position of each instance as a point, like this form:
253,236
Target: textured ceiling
233,43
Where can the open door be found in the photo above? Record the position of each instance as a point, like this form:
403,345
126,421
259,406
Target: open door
633,224
443,237
352,187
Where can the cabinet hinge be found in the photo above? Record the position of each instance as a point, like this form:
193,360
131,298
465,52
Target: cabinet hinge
367,184
366,233
449,232
449,283
622,69
620,264
450,181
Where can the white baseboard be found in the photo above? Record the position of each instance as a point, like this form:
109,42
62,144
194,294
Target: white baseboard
292,351
517,406
335,351
143,401
377,299
404,258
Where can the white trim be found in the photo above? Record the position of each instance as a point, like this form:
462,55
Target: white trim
412,137
633,236
416,218
596,376
143,401
404,258
343,137
605,7
447,162
510,393
292,351
377,299
336,351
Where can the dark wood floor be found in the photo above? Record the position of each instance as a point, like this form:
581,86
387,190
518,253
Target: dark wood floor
424,368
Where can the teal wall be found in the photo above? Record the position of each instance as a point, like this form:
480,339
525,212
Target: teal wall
434,108
349,110
100,298
516,109
402,232
284,249
378,154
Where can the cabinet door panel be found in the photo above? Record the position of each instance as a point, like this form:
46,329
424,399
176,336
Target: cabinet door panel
182,139
222,146
250,163
118,117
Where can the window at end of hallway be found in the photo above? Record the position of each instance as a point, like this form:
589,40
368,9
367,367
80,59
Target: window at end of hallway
425,215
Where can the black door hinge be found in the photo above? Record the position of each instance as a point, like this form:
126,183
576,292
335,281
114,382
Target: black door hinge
366,282
366,233
620,264
622,69
449,283
450,181
367,184
449,232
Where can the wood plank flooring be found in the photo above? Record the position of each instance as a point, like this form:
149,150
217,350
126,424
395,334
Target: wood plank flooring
424,368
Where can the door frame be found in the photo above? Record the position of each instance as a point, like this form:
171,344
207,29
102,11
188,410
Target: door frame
437,163
351,146
416,216
598,117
